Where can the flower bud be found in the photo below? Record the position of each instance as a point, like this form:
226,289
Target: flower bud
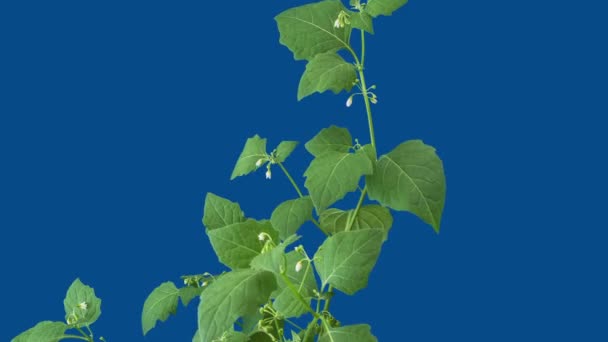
299,266
259,162
349,102
261,236
268,174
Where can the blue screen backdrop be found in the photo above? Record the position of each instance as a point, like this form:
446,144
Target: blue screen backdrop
117,117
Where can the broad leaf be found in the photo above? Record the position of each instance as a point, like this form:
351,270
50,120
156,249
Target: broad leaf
260,336
383,7
411,178
290,215
254,150
327,71
346,259
81,305
371,216
334,174
333,138
237,244
284,150
309,30
349,333
45,331
188,293
285,302
235,294
161,303
362,21
220,212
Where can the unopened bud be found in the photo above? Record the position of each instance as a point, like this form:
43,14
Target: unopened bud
268,174
259,162
299,266
349,102
261,236
373,100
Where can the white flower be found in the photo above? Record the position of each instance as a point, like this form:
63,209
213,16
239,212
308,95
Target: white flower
268,174
83,306
349,102
337,23
259,162
299,266
262,236
204,283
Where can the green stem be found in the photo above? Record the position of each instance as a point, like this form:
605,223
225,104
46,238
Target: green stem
295,185
295,292
276,326
328,301
368,108
292,323
351,220
309,330
362,47
86,337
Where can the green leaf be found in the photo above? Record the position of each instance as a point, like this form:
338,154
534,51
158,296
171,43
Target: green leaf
273,260
235,294
260,336
81,305
332,175
309,30
349,333
161,303
383,7
346,259
45,331
284,150
290,215
362,21
411,178
327,71
285,302
371,216
188,293
333,138
254,150
220,212
237,244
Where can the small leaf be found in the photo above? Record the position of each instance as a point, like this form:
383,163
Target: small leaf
233,295
327,71
309,30
161,303
254,150
349,333
290,215
371,216
220,212
45,331
333,138
346,259
362,21
284,150
81,305
411,178
383,7
332,175
237,244
188,293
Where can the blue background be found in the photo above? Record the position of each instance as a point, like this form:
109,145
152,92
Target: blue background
116,118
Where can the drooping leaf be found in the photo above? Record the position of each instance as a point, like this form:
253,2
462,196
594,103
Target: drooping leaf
237,244
284,150
349,333
346,259
81,305
332,175
309,30
332,138
327,71
254,150
290,215
411,178
45,331
220,212
233,295
161,303
188,293
383,7
370,216
362,21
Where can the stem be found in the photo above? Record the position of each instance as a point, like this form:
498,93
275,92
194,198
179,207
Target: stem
295,185
328,301
292,323
308,329
298,295
276,326
368,107
86,337
356,212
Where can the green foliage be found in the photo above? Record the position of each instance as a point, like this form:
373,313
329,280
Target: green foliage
267,284
327,71
236,293
346,259
411,178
